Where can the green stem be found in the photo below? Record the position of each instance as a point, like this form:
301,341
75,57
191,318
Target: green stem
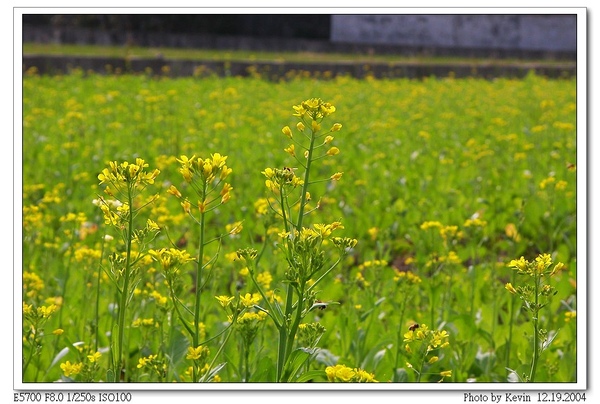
306,178
472,279
399,336
97,304
125,291
199,279
294,328
536,342
246,362
422,363
176,309
283,332
31,353
511,323
432,303
281,351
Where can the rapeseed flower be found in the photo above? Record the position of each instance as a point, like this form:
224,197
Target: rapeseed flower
93,358
69,368
345,374
249,300
224,301
200,353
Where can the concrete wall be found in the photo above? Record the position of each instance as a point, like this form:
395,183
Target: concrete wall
555,33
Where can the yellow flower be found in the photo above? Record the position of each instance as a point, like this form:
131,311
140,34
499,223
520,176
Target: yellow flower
510,288
430,224
224,300
290,150
520,264
336,177
339,373
234,228
560,185
546,181
265,279
445,373
287,131
145,361
201,352
363,376
174,191
94,357
557,268
69,368
333,151
249,300
27,309
542,262
336,127
511,231
151,225
46,312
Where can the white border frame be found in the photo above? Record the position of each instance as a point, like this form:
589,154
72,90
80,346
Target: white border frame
582,195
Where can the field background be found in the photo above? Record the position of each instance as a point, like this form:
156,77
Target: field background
412,151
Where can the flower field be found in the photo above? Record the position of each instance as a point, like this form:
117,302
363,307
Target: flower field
324,230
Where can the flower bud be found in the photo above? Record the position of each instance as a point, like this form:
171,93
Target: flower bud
287,131
333,151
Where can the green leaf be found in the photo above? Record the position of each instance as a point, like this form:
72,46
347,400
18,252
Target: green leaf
295,362
311,375
110,376
177,346
265,370
213,372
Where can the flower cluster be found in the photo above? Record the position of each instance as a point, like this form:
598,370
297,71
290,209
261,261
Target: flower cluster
309,334
204,175
170,258
422,345
541,269
434,338
277,179
208,169
535,292
540,266
345,374
247,325
125,173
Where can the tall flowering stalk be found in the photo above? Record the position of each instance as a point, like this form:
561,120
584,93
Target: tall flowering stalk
124,182
535,294
423,346
205,177
302,246
406,285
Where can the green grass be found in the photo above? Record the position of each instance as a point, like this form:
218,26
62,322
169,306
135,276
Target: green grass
261,56
412,151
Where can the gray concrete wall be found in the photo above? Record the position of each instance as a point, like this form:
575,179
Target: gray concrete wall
555,33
